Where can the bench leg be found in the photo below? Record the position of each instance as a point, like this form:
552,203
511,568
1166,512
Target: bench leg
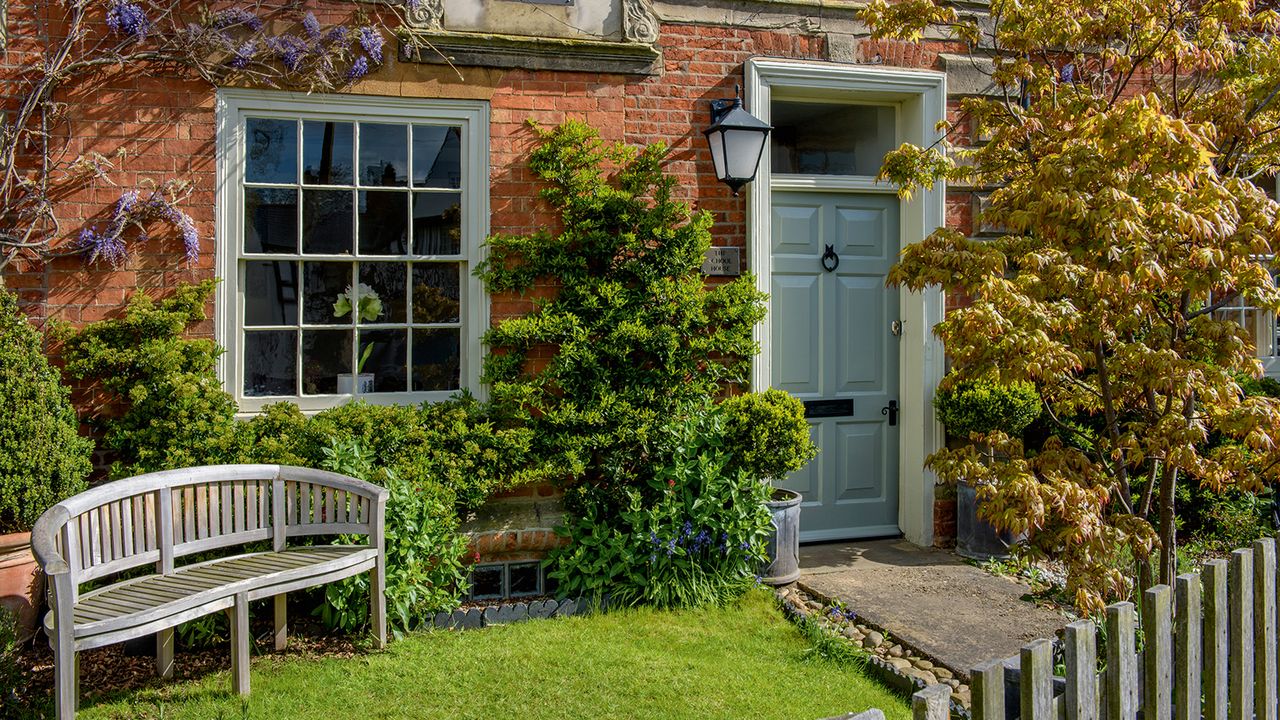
164,653
240,646
65,679
378,601
282,622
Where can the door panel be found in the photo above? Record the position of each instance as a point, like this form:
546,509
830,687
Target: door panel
832,341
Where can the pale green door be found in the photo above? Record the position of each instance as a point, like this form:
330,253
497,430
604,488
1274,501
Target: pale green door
834,345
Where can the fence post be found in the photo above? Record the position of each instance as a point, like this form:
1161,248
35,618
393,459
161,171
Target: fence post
1157,630
1080,653
986,688
932,703
1264,628
1122,663
1240,605
1037,680
1187,657
1213,577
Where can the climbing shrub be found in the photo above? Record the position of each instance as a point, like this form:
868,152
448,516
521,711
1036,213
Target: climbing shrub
43,458
632,330
175,412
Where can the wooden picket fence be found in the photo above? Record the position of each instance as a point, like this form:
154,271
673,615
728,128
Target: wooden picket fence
1209,651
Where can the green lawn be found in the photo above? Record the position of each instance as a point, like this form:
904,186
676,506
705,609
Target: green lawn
738,662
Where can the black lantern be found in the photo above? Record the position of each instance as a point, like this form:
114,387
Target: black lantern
737,140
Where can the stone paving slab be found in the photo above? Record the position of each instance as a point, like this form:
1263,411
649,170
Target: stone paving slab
930,599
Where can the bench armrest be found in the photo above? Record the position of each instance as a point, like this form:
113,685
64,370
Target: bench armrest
44,541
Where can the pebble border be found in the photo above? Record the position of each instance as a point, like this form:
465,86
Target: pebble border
894,663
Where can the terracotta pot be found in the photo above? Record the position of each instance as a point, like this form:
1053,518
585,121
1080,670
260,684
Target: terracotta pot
21,582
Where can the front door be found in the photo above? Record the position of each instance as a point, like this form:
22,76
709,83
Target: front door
835,346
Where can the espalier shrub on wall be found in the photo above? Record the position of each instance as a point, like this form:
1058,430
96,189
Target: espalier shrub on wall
43,459
634,330
176,412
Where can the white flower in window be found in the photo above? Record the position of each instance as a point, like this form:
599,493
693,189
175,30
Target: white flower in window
362,297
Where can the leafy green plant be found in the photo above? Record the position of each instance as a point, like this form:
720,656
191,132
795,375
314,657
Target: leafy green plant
768,434
983,406
424,573
10,672
631,330
208,631
692,534
42,456
176,413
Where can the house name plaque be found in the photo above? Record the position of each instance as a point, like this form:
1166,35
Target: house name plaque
723,261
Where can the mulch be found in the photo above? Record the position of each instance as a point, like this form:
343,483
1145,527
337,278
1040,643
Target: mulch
126,667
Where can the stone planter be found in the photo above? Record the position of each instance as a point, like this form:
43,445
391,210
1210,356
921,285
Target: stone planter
975,537
21,582
784,543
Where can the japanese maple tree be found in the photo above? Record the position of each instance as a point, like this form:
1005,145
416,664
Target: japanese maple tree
1127,142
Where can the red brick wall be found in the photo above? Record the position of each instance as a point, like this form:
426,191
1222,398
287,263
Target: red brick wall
165,129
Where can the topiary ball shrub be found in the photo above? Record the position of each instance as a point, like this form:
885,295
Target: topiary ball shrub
767,434
43,458
983,406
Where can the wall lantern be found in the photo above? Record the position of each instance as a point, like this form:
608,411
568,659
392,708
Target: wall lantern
737,140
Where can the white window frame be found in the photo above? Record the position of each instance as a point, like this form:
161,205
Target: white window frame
233,105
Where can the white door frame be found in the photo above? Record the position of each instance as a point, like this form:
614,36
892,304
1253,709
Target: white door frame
921,99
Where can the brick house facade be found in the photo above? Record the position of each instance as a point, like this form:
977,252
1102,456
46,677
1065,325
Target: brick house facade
637,83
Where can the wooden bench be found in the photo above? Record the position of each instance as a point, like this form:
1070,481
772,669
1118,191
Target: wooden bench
156,518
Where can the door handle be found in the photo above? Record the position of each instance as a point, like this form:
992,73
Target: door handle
892,411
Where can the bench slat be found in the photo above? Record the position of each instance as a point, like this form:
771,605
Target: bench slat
228,508
126,527
290,503
117,529
264,503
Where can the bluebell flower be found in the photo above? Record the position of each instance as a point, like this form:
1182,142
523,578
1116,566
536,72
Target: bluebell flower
126,18
686,531
311,25
671,547
371,40
237,16
745,545
359,68
653,538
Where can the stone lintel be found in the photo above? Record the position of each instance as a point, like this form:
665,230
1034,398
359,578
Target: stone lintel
529,53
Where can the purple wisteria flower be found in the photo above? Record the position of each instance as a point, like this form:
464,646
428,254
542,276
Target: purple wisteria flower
237,16
371,40
244,54
102,246
127,18
290,49
337,35
312,26
359,68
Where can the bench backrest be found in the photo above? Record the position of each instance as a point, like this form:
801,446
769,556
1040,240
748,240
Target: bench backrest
157,517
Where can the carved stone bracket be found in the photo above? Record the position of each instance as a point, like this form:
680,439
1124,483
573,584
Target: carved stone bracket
639,22
428,15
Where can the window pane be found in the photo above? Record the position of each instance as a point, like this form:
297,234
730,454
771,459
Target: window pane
270,220
435,360
828,139
437,229
383,215
385,281
270,362
326,222
326,293
386,359
436,288
384,155
270,293
271,152
327,153
437,156
326,357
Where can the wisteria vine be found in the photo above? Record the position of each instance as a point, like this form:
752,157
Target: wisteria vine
270,43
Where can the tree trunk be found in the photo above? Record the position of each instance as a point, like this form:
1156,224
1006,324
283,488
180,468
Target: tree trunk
1168,529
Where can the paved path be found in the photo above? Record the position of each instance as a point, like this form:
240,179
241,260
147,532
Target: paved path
930,599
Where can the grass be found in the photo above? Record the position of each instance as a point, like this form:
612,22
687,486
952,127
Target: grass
742,661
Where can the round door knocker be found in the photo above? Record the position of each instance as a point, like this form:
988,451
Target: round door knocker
830,260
